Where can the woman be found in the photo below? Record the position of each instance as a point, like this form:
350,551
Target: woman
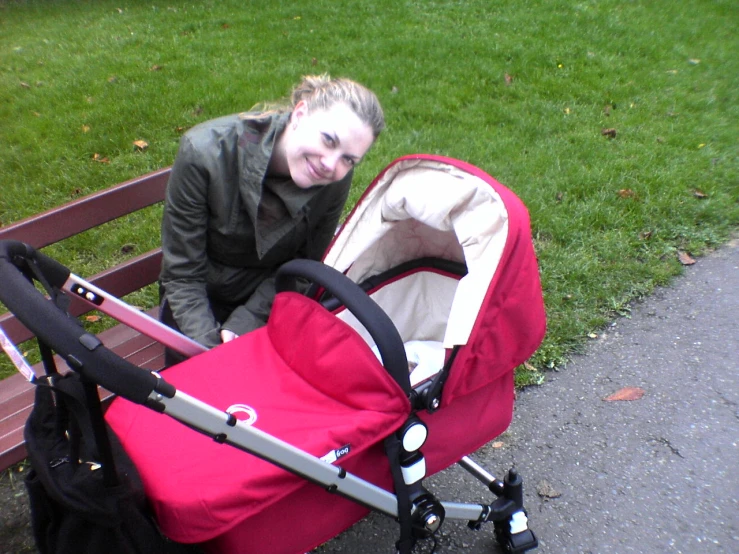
251,191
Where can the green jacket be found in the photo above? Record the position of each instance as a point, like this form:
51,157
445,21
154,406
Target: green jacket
227,226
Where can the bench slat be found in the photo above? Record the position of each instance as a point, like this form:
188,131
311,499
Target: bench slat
90,211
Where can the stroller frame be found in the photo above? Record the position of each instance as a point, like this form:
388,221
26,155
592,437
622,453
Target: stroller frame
85,354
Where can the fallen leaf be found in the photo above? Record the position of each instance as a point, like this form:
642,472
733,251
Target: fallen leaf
92,318
85,128
702,145
626,193
498,444
98,158
225,26
76,192
119,10
141,145
685,258
156,68
672,71
567,110
112,79
314,61
127,248
592,335
645,235
180,129
559,196
694,61
546,490
25,85
508,79
626,393
699,194
610,133
394,90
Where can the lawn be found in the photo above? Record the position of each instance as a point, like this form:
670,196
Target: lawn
614,121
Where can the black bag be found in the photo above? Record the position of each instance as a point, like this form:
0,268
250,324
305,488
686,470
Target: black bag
85,493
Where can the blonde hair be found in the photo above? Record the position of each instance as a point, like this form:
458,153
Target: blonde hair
320,92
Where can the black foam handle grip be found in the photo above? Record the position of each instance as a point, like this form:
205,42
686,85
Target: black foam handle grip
83,352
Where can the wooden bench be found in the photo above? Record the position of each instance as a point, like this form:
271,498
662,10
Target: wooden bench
16,393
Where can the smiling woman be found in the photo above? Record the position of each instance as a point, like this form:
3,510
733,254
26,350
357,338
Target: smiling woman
249,192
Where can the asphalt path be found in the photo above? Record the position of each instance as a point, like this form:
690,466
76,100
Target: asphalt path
658,474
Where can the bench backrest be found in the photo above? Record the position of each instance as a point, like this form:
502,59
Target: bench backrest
86,213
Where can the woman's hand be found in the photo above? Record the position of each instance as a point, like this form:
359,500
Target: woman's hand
227,335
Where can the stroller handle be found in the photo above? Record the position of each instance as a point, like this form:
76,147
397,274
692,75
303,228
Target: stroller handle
375,320
83,352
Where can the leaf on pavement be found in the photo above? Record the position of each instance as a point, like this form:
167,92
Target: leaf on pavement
545,489
626,393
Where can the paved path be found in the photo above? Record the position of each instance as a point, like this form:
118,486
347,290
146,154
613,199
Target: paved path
655,475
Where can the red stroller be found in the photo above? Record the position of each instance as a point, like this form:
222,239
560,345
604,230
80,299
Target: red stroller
428,298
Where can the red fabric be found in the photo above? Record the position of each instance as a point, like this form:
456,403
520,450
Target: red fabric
512,322
339,394
315,384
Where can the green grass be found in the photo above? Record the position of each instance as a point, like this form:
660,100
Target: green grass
520,89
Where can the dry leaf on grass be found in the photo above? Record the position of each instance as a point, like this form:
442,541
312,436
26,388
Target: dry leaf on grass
699,194
626,193
626,393
100,159
610,133
92,318
685,258
141,145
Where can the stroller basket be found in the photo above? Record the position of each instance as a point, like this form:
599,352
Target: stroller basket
434,266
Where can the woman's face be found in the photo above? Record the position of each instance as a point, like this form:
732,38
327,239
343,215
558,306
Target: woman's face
322,146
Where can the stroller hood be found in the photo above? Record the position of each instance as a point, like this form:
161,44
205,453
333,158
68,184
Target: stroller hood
431,206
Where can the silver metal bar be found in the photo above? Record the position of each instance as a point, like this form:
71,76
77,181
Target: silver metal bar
16,357
140,321
476,470
205,417
455,510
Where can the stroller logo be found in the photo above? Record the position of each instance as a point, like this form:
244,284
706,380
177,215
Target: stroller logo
238,409
334,455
